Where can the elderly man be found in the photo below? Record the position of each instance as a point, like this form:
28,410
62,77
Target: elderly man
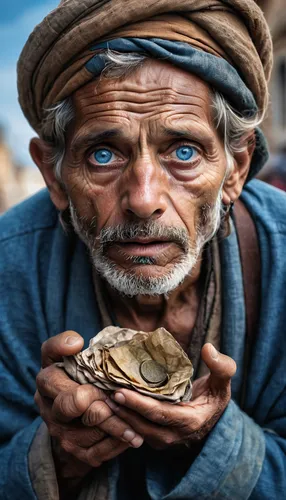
147,116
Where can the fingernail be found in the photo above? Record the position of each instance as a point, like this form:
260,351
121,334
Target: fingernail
137,442
132,438
119,398
128,435
71,340
214,353
112,405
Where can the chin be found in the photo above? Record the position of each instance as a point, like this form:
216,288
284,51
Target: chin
145,279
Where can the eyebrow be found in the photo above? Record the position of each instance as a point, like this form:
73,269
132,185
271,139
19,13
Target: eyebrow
86,141
192,135
94,137
175,133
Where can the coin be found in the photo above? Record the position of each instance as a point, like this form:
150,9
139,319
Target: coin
153,373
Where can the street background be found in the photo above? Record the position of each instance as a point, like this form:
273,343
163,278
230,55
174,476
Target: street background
19,178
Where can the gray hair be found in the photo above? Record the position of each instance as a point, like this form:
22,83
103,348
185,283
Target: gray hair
232,126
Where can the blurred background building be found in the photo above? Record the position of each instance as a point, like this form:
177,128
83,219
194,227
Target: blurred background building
275,122
19,178
17,182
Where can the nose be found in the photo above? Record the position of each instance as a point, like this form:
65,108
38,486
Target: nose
144,188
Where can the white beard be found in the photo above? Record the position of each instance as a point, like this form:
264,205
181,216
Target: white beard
126,281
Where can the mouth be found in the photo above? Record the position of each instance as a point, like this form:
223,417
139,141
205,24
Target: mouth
144,247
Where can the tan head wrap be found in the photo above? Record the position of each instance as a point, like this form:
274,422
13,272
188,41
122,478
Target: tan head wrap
52,64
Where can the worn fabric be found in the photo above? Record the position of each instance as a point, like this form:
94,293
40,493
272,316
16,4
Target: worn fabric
215,71
41,466
46,287
43,472
208,324
53,62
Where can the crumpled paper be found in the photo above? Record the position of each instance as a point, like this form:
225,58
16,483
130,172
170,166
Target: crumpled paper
114,359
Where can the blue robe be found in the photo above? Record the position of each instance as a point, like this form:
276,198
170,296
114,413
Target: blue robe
46,288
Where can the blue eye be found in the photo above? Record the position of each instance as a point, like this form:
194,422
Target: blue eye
185,153
103,156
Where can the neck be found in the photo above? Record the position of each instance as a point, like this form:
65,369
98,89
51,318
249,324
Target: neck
177,312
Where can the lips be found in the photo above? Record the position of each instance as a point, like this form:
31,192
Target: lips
144,241
143,247
140,251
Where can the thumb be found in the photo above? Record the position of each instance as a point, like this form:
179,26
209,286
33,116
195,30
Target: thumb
222,367
64,344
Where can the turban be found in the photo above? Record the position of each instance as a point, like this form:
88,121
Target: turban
225,42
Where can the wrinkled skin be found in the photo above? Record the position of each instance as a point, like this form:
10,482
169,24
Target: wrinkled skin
145,117
150,113
61,401
94,429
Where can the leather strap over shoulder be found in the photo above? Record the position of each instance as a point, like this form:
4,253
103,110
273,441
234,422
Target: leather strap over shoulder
251,271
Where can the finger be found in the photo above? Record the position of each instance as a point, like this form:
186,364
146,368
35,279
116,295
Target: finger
40,402
155,435
75,434
53,380
83,437
160,412
45,410
222,367
101,452
112,425
74,403
64,344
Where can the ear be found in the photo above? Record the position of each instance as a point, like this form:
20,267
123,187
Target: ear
234,183
40,152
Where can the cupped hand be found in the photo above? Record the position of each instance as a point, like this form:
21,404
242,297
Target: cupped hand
163,424
80,417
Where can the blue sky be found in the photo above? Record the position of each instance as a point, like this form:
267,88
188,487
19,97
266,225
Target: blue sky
17,20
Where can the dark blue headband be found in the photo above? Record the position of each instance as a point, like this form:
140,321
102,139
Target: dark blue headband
216,71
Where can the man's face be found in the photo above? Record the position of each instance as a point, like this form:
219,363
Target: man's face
143,171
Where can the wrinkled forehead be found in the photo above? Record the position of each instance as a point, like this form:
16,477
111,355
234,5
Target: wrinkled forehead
155,84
